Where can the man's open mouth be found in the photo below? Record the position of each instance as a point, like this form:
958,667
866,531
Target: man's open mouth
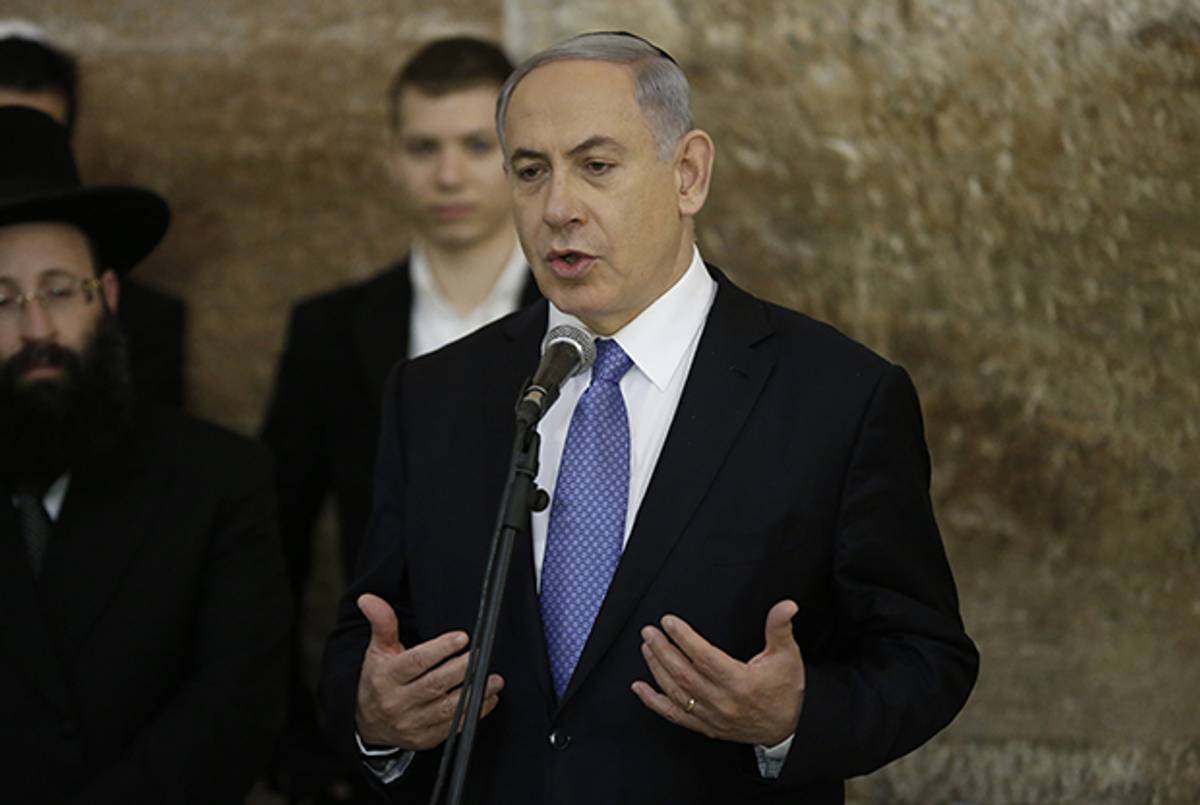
569,262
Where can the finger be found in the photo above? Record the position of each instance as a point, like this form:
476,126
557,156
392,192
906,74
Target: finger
495,684
385,629
778,631
667,683
710,661
442,679
424,657
664,707
489,704
656,701
674,673
491,694
438,715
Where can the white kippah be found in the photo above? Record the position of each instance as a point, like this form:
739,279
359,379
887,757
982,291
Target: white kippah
22,29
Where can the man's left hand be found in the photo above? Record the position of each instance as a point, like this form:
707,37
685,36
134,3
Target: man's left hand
706,690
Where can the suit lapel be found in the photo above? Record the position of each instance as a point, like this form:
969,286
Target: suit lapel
732,362
522,601
380,322
105,520
529,291
25,639
382,319
523,334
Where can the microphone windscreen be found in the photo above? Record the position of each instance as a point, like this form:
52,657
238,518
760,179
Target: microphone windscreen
576,337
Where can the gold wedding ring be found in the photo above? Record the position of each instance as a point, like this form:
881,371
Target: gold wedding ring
691,705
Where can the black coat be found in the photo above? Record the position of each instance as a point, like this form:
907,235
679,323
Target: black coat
154,324
323,420
148,663
795,467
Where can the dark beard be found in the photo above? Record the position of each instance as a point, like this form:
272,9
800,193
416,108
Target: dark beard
73,423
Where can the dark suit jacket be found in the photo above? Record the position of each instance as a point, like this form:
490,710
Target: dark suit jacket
154,325
147,664
323,420
795,467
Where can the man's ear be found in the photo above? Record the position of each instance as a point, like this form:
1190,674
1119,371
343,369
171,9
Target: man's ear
110,286
693,170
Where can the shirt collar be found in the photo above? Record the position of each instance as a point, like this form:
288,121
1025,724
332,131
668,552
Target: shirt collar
658,338
422,275
508,284
512,280
52,499
57,491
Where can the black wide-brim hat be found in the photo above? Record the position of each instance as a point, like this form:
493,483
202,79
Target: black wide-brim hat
39,182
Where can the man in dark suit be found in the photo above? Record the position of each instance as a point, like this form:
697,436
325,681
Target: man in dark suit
145,606
35,73
323,419
465,269
738,592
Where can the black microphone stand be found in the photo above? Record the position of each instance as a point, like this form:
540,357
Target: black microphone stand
521,497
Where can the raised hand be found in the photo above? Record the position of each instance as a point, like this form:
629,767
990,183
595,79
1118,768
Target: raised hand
407,696
706,690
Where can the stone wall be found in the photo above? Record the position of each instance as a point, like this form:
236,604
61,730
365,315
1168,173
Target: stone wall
1002,195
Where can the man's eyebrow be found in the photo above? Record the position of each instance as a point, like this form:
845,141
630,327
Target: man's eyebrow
54,271
44,274
595,141
526,153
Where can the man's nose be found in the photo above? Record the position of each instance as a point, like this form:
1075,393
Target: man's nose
449,168
563,206
36,322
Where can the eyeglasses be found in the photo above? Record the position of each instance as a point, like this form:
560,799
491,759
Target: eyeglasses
62,295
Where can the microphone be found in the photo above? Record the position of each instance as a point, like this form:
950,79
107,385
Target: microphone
566,351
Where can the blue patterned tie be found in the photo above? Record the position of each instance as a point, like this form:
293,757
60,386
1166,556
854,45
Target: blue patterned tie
587,517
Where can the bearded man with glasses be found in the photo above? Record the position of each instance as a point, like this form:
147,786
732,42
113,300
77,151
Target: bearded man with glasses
143,603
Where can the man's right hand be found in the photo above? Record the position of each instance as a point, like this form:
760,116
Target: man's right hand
407,696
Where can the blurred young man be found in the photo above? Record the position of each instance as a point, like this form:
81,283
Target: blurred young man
465,269
143,647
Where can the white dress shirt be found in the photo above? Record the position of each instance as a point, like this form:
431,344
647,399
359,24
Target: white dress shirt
661,342
435,322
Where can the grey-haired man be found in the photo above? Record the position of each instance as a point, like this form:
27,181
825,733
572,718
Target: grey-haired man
751,602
